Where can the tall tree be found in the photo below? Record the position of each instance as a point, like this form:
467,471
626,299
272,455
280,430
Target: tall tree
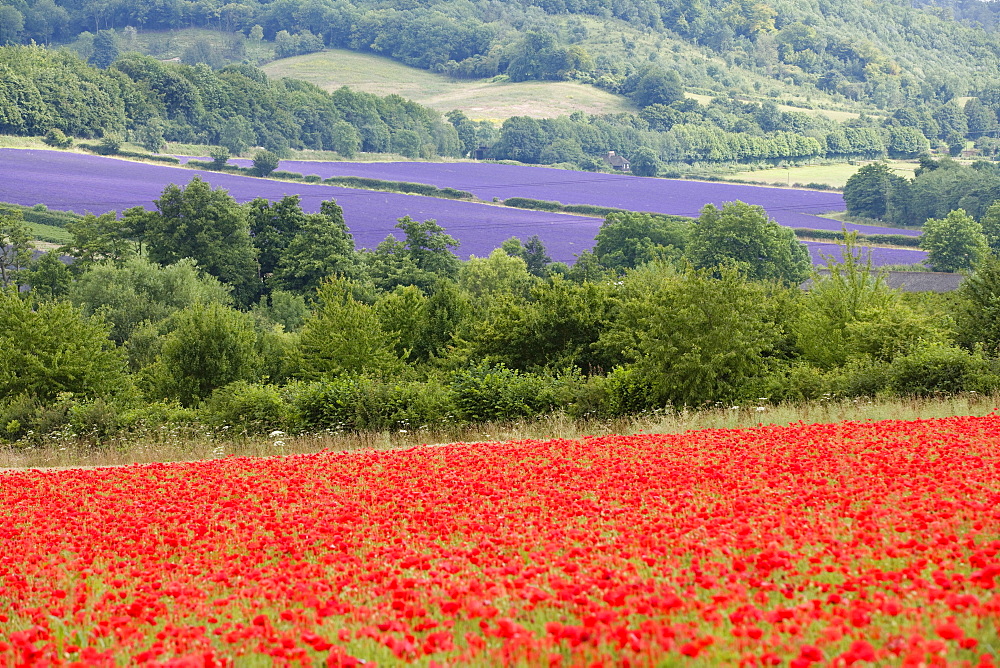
15,246
209,227
954,243
741,235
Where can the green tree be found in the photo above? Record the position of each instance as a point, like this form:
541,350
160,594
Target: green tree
321,247
531,251
645,162
345,139
850,313
954,243
345,336
98,239
978,309
15,246
208,346
56,138
870,191
990,223
430,246
138,291
106,49
49,277
53,349
499,273
741,235
698,337
657,86
265,162
209,227
627,240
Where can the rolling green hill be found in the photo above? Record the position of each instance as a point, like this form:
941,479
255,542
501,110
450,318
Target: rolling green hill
479,99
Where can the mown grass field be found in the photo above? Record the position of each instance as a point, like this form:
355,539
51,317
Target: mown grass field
479,99
835,175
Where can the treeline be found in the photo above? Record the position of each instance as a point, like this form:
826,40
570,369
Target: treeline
852,48
937,188
149,102
260,317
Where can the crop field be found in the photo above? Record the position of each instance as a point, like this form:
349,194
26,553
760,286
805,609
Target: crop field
82,183
810,544
479,99
832,175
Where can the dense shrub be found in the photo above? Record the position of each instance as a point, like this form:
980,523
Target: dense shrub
488,393
56,138
249,407
353,403
938,368
398,186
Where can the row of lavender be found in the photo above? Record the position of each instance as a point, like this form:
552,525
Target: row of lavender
86,183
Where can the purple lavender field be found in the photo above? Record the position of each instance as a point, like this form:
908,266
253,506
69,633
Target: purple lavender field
88,183
788,206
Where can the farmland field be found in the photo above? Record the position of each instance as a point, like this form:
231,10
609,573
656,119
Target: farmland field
479,99
821,544
793,207
83,183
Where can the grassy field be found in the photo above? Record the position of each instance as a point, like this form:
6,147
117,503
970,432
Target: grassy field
479,99
834,176
175,444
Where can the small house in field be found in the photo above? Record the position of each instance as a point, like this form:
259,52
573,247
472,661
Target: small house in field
617,162
481,153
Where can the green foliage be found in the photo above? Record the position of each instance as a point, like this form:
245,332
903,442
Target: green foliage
345,336
978,309
850,313
220,157
48,277
264,162
940,368
15,247
698,339
248,407
627,240
209,227
743,237
954,243
353,403
494,393
873,191
56,138
104,238
208,346
110,144
556,328
53,349
139,291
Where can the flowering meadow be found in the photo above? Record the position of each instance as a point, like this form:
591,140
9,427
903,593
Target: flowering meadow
97,184
805,545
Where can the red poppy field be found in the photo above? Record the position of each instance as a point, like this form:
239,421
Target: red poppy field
808,545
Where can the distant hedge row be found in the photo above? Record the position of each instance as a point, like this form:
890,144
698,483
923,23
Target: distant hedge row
892,239
398,186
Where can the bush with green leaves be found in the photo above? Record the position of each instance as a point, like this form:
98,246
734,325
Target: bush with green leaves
56,138
494,393
110,144
265,162
353,403
249,407
940,368
54,349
